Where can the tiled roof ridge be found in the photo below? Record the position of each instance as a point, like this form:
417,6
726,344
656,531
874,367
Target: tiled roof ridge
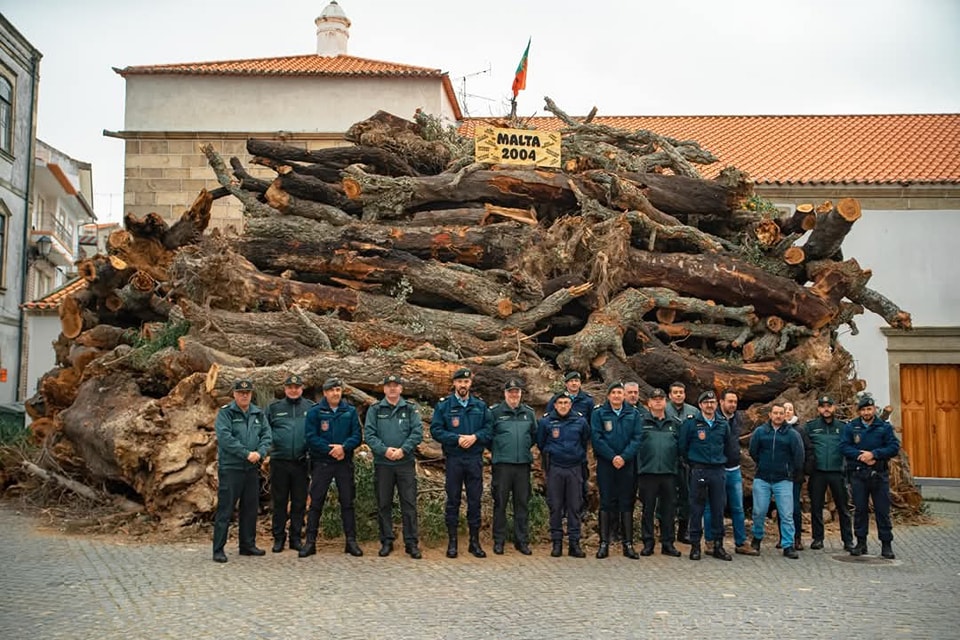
180,66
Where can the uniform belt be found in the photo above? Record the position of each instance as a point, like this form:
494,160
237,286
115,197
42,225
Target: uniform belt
697,465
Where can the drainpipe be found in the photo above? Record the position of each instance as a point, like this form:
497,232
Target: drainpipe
35,59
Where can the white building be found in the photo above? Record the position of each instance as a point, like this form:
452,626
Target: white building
308,100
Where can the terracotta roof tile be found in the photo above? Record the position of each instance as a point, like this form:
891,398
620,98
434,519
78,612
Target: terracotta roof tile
303,65
875,149
53,299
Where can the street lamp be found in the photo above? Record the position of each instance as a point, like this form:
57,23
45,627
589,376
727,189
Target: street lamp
41,248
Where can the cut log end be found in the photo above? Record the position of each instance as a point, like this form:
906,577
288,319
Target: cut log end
504,307
71,318
794,255
352,188
775,324
849,209
666,316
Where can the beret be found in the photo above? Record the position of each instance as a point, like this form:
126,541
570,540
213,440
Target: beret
330,383
706,395
243,384
463,373
293,379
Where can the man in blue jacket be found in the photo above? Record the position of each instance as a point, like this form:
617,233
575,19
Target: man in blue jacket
462,424
705,446
615,435
562,437
243,439
288,462
868,443
514,433
777,449
333,433
825,466
393,430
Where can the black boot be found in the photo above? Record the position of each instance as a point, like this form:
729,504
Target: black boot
352,548
575,550
682,534
791,553
860,549
452,544
278,544
647,548
386,548
695,551
295,543
604,549
886,550
308,549
668,549
557,549
755,543
474,546
719,552
626,521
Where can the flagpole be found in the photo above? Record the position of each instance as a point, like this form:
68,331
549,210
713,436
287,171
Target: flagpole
513,109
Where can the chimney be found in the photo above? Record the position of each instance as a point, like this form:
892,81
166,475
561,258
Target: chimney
333,31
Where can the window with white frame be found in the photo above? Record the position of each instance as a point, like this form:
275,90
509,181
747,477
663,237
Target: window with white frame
6,115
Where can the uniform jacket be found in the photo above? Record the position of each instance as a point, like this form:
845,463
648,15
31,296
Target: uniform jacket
398,426
824,439
582,403
563,439
238,434
659,444
877,437
452,420
287,427
326,426
777,452
703,444
514,432
614,435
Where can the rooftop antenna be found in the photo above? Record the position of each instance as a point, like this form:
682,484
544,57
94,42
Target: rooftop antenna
463,88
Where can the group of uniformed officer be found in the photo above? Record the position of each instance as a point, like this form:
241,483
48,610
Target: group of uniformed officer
676,458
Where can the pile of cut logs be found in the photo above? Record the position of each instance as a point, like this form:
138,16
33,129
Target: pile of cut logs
400,254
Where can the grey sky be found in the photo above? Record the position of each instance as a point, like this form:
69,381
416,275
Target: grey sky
626,58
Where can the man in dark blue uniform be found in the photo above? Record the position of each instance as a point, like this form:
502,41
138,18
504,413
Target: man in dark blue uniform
288,462
514,433
615,435
826,470
333,433
867,443
562,437
462,424
705,446
393,430
243,439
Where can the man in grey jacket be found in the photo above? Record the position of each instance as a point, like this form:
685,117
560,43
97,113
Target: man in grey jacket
393,429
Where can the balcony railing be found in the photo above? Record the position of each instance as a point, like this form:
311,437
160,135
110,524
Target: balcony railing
64,233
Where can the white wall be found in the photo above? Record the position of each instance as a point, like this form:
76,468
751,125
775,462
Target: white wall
915,259
43,329
253,104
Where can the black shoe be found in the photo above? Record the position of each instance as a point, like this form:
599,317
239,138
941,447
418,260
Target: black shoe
575,550
797,544
452,545
848,546
308,549
219,556
695,552
860,549
791,553
647,549
720,553
498,548
474,547
352,548
278,546
755,545
816,544
682,536
886,550
385,549
779,544
603,550
629,551
523,548
253,551
557,549
668,549
414,551
295,544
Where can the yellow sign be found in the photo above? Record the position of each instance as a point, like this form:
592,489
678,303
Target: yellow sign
517,146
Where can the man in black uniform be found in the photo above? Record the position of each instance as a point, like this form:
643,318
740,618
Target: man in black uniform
243,439
289,478
868,443
462,424
826,470
514,433
393,430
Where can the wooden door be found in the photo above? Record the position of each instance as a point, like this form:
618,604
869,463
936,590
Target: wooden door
930,406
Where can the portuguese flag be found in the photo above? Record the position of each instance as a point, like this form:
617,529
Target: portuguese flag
520,80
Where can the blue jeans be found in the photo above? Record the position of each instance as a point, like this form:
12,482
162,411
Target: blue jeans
734,487
783,492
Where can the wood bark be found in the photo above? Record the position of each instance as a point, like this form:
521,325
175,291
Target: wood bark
831,228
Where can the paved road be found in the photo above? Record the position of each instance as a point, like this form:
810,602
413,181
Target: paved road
55,586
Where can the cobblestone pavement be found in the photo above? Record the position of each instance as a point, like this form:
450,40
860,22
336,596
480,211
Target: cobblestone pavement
57,586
